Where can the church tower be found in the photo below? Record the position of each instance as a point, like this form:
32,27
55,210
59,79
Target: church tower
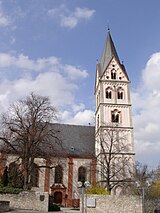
114,132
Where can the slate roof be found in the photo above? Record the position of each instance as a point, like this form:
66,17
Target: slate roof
108,53
77,141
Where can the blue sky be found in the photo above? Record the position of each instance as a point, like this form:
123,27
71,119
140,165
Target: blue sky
51,47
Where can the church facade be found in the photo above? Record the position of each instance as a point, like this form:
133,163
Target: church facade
82,146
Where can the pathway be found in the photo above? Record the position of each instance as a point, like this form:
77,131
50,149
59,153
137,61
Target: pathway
64,210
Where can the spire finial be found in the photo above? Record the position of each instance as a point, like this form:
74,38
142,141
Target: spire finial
108,27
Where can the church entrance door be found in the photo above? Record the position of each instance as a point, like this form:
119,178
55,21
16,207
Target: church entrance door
58,197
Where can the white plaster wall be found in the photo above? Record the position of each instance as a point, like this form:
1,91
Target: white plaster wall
77,162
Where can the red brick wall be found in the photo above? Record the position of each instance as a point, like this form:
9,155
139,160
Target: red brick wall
47,176
70,181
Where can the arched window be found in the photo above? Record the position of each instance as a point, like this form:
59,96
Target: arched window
113,74
34,175
15,176
120,93
115,116
108,93
82,174
58,174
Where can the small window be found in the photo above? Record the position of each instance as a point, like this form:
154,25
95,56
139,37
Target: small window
115,116
108,93
120,93
58,174
82,174
113,74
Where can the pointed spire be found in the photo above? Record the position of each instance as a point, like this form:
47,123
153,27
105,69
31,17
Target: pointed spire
108,52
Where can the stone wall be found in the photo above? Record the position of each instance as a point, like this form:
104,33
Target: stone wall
4,206
113,204
27,200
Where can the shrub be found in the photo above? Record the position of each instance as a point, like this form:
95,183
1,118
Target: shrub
154,190
9,190
97,190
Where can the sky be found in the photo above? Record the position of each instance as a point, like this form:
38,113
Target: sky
50,47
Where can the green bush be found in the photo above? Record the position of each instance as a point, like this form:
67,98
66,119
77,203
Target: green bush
54,207
9,190
97,190
154,190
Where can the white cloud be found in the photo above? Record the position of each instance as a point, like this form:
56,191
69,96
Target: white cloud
83,13
45,76
146,102
74,72
4,20
69,22
151,73
85,117
78,107
24,62
70,19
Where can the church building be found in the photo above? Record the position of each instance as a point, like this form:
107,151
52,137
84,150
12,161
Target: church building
83,154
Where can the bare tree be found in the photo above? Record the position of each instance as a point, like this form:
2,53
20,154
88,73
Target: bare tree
114,162
143,175
26,131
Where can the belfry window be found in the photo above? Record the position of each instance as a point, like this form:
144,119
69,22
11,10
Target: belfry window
108,93
113,74
115,116
120,94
